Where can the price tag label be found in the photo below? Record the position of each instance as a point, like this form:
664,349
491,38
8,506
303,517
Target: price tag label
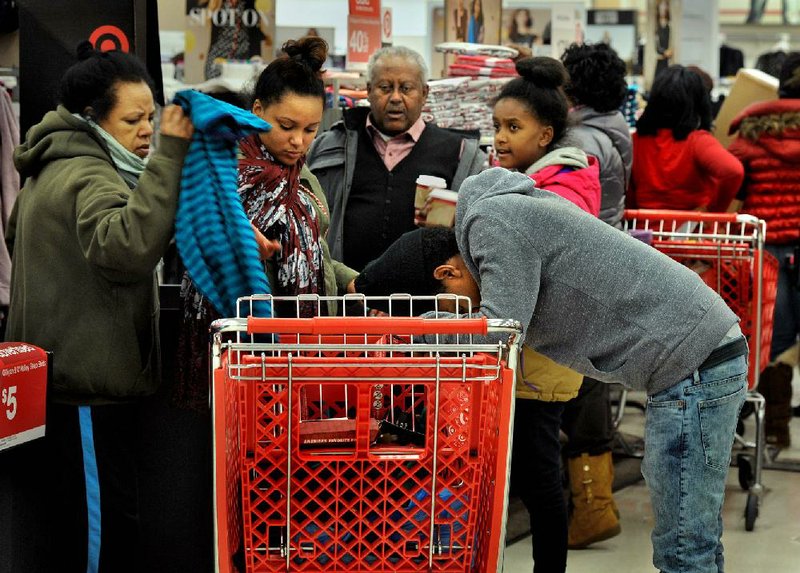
23,393
9,400
363,38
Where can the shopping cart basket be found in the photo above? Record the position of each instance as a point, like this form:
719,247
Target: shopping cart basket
727,251
347,444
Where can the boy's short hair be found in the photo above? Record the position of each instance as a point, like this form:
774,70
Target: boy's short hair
408,264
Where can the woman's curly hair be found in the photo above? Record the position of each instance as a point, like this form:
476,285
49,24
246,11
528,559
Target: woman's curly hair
597,76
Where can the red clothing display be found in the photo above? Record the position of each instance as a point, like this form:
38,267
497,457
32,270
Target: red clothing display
768,145
696,173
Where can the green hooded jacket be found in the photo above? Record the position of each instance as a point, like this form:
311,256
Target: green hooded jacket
84,248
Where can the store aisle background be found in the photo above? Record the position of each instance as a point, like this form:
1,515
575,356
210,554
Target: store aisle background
773,545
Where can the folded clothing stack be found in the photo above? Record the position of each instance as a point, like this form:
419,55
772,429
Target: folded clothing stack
482,66
463,103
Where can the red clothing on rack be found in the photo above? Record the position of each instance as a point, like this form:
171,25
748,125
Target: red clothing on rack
696,173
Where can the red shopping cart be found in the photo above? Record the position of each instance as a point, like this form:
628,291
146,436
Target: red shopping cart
346,444
727,251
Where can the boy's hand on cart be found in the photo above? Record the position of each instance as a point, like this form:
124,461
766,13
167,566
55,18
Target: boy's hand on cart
266,247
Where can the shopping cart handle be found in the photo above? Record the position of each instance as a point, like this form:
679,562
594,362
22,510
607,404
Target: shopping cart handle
684,216
367,325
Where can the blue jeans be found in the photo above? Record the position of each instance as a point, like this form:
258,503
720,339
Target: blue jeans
689,431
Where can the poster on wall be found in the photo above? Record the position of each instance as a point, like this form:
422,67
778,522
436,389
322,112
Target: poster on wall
475,21
663,17
219,30
568,23
526,26
617,28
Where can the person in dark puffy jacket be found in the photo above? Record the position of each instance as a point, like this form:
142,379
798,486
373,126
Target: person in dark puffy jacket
768,145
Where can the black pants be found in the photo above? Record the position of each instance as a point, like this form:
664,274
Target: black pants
587,420
59,516
536,479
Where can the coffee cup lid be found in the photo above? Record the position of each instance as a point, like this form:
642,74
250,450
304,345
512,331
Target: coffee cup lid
432,181
444,195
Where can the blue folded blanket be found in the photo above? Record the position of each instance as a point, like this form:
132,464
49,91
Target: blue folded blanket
213,235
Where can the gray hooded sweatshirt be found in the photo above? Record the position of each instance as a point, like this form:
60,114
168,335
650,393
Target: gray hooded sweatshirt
589,296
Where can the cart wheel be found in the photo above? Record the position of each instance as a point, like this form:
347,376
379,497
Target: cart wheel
750,512
745,463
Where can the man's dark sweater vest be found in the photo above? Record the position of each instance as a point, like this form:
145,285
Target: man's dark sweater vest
380,207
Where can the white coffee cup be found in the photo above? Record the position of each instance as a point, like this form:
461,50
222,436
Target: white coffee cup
441,209
426,184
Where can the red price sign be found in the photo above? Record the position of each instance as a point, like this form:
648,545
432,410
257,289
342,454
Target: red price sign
365,8
23,390
363,38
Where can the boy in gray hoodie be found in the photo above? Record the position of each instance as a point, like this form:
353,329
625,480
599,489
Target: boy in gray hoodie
610,307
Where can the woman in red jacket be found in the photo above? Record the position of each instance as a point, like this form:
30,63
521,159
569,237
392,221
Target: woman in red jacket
768,145
677,163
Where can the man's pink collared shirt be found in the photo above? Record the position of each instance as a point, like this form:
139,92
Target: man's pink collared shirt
395,148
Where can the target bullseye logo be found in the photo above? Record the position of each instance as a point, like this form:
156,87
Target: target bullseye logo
105,38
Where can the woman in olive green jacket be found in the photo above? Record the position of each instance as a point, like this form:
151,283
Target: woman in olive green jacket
86,233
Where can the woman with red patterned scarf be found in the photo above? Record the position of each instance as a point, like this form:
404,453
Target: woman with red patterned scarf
284,203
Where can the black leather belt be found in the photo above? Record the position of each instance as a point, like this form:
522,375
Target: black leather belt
720,354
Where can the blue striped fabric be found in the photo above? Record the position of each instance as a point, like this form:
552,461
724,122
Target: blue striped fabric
213,234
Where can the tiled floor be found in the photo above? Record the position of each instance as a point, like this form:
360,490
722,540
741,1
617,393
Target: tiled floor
773,545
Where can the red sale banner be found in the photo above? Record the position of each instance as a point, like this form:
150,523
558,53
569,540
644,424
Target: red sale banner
23,393
363,38
366,8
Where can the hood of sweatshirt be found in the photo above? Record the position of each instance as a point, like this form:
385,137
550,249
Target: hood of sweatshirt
563,156
571,174
492,182
60,135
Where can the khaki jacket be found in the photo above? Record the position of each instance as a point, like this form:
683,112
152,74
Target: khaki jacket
542,379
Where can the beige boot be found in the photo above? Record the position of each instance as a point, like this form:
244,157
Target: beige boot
593,517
